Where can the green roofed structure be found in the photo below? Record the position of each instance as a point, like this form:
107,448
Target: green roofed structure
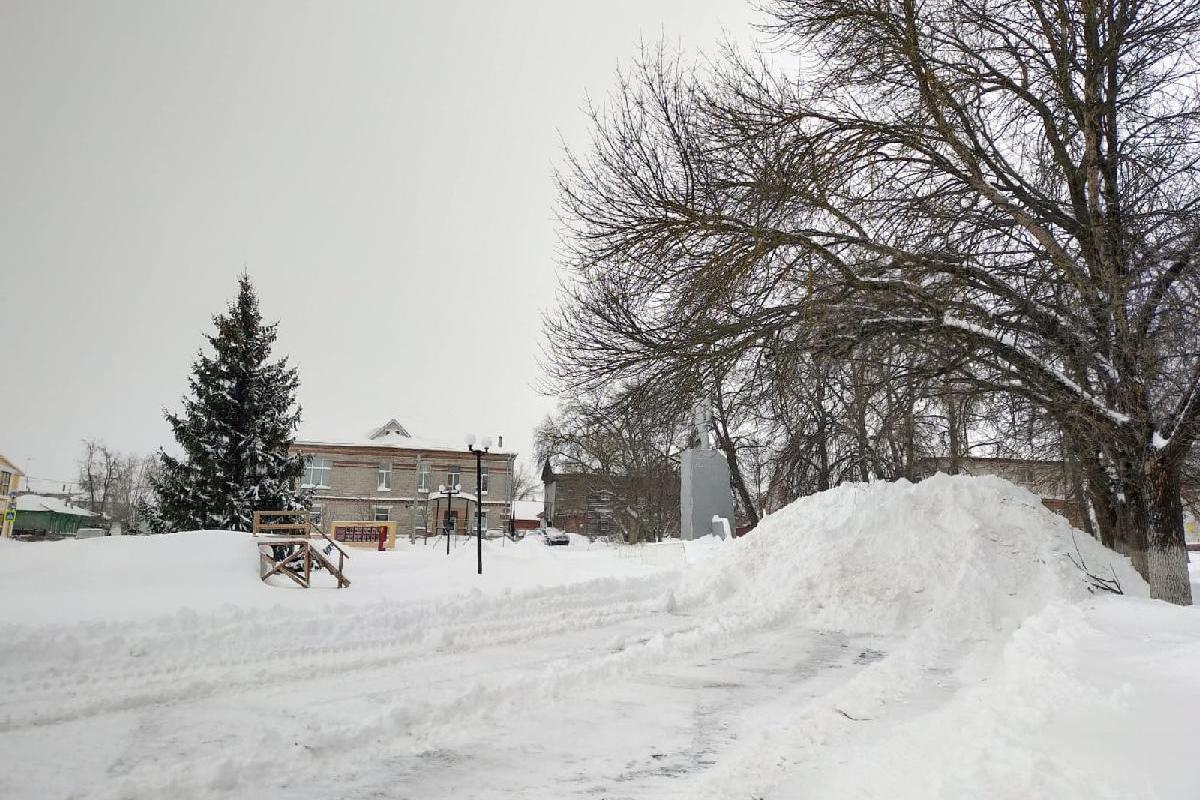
48,517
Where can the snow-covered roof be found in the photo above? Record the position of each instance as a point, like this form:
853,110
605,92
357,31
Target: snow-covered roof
36,502
389,434
528,509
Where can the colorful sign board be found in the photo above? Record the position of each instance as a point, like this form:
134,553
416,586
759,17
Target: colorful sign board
365,534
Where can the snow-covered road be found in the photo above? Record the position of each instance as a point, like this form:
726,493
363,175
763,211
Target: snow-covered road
598,688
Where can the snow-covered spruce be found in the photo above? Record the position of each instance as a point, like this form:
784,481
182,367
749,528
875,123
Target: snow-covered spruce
235,429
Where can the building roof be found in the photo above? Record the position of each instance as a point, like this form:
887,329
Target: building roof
528,509
37,502
389,434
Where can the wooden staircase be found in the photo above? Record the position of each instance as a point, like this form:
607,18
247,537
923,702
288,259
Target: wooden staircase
294,553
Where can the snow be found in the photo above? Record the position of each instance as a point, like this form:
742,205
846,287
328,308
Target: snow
527,509
376,435
1159,442
885,640
34,502
140,578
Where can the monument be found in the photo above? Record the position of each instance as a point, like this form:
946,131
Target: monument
706,501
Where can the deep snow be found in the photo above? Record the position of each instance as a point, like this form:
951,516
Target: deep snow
886,640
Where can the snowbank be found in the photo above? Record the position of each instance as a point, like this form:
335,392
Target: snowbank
955,557
998,672
141,577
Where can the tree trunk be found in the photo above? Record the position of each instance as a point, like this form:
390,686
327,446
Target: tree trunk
1100,499
1075,492
952,431
822,440
910,446
1149,515
735,474
1132,514
863,442
1167,557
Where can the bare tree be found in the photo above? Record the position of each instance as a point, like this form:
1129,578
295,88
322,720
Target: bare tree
524,483
132,489
114,484
1010,186
99,469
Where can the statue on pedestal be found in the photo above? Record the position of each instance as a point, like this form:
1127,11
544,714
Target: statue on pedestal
706,500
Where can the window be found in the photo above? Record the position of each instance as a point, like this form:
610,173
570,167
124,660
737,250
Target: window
419,516
385,477
423,476
483,479
382,513
5,483
315,514
450,522
316,472
453,476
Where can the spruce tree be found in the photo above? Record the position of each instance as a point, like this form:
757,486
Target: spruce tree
235,429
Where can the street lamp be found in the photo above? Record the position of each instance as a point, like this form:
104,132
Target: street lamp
449,492
484,445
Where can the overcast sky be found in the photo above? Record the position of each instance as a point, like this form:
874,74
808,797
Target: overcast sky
383,170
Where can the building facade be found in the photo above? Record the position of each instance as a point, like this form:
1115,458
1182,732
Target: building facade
597,504
388,475
10,484
580,503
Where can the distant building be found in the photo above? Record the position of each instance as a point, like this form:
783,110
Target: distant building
385,474
580,503
10,484
41,517
527,515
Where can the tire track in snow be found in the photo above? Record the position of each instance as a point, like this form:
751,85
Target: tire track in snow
305,647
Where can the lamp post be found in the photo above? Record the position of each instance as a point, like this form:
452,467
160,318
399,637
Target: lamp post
484,445
449,492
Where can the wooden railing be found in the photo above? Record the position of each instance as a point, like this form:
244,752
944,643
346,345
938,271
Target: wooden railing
293,554
301,528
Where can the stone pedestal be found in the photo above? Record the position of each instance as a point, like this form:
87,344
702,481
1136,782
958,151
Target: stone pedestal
704,492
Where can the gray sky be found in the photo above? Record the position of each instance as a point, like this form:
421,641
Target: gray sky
383,170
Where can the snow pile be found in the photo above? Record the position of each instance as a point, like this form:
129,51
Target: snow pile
993,671
955,557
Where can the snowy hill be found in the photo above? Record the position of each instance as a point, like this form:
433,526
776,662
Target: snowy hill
892,640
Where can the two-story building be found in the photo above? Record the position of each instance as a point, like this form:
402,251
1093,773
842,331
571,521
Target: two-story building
389,475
